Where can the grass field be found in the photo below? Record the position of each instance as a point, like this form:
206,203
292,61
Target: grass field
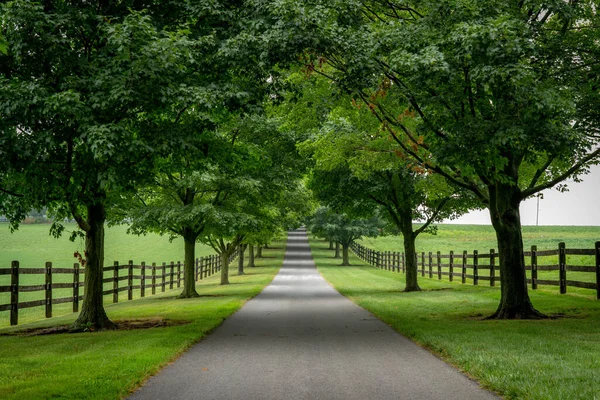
482,238
32,246
548,359
108,365
459,238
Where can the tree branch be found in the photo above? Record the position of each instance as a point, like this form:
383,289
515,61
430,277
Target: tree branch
530,191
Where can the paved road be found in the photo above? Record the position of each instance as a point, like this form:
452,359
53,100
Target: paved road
301,339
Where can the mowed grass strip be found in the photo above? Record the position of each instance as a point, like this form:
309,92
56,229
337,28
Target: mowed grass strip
109,365
548,359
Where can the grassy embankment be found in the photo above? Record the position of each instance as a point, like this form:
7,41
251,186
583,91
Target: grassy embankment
108,365
549,359
32,246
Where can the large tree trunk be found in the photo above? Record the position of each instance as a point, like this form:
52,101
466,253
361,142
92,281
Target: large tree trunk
242,248
404,223
259,252
505,200
189,265
337,250
251,256
224,268
92,315
345,257
412,284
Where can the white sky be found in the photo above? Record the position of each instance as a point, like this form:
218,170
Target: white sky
579,206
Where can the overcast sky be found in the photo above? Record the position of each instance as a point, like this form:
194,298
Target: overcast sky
579,206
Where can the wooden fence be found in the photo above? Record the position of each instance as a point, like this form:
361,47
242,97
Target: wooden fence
136,277
478,267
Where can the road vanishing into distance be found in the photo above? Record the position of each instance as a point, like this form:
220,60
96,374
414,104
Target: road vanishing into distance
301,339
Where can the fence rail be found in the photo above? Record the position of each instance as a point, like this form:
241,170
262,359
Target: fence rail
136,277
484,267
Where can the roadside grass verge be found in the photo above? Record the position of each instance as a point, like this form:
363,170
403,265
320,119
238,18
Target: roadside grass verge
549,359
109,365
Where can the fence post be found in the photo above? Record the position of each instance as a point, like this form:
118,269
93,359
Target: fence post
197,268
534,270
492,268
14,293
163,277
597,247
403,263
172,276
439,265
423,264
562,267
153,278
451,269
143,280
48,290
475,267
464,267
430,262
389,260
130,280
116,282
178,274
75,287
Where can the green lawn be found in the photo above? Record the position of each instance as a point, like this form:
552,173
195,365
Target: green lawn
459,238
549,359
109,365
482,238
32,246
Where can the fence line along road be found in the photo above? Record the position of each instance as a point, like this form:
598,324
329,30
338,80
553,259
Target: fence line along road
484,267
140,277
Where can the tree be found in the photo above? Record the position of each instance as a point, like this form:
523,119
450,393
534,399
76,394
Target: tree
498,97
357,169
74,81
344,229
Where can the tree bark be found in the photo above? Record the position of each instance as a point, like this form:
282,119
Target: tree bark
337,250
345,257
189,265
412,284
330,245
259,252
224,268
505,200
92,315
242,248
251,256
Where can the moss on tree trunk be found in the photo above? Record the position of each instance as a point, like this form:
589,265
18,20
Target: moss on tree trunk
242,248
189,273
251,256
345,256
412,284
224,268
92,315
506,219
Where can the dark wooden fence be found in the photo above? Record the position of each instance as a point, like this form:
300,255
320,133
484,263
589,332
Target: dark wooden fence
125,278
477,267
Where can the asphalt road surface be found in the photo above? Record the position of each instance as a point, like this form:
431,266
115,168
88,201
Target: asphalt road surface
301,339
